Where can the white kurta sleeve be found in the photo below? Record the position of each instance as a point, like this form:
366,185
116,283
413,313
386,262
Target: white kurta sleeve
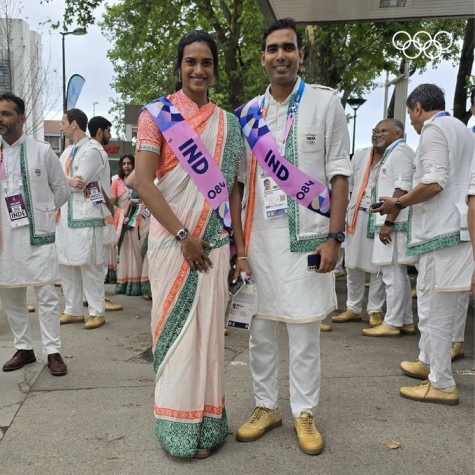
434,156
402,168
57,179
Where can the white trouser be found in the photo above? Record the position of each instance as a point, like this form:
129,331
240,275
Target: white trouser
106,257
355,280
78,279
398,294
437,314
304,364
461,318
15,306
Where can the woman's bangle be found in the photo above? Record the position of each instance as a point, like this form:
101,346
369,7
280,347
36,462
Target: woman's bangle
242,258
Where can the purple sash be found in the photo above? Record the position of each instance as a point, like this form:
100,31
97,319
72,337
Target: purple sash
297,185
193,156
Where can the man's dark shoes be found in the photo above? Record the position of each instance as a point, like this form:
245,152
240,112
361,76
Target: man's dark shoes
20,359
56,365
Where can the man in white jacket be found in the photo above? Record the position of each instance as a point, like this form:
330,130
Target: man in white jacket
435,234
394,177
32,185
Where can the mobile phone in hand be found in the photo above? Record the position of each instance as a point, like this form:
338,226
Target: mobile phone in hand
235,287
313,261
377,204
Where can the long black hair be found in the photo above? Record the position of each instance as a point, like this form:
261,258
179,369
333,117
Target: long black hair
120,170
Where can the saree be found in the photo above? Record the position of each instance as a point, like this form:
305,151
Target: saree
130,242
188,307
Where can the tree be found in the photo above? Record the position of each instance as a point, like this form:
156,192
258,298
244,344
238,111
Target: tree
24,73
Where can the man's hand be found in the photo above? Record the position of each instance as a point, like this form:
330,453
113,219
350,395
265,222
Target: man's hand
385,234
387,207
329,252
76,182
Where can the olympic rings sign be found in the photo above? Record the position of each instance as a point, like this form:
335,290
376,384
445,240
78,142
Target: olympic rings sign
423,43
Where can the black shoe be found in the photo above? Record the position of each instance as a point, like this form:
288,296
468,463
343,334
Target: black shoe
56,365
19,359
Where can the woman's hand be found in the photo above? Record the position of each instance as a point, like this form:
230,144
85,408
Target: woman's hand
193,252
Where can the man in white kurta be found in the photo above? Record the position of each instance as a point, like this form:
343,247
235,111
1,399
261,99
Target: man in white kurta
30,175
359,247
394,177
442,169
80,226
278,247
100,132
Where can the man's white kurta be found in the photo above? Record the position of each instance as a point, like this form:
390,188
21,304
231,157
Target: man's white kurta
23,264
81,245
287,291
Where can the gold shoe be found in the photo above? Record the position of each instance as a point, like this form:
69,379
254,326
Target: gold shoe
457,350
146,296
202,453
31,308
382,330
346,316
111,307
375,319
409,329
65,318
324,327
425,392
262,420
309,439
94,322
57,283
414,293
415,369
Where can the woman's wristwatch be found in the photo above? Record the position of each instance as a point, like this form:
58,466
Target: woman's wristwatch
182,234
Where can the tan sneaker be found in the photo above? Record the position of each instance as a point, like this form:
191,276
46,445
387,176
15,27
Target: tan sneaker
111,307
262,420
425,392
324,327
409,329
31,308
94,322
65,318
347,316
375,319
309,439
382,330
457,350
414,293
415,369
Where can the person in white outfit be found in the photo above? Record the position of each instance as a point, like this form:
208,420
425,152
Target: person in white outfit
394,177
100,131
80,225
311,133
366,164
436,235
32,185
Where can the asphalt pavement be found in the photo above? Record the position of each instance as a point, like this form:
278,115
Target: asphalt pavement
98,419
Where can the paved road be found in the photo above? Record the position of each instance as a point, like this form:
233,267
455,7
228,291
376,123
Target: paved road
98,419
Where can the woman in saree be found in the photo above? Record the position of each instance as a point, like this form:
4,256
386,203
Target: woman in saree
189,259
132,230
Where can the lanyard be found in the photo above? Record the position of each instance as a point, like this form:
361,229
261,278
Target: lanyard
441,114
293,106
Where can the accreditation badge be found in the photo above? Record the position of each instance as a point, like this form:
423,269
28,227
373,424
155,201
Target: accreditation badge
273,198
243,307
17,211
94,193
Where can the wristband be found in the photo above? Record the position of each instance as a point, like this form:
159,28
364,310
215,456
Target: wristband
399,205
388,223
242,258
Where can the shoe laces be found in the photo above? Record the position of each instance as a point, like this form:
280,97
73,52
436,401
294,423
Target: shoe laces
308,427
257,414
423,384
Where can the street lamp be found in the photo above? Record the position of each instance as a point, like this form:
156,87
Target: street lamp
355,103
77,32
94,109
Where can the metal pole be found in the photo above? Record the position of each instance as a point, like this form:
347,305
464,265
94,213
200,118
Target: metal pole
354,131
386,86
64,75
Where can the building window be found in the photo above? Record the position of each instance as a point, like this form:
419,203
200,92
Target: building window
54,141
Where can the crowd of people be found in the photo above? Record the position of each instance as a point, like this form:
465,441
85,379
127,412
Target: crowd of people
202,176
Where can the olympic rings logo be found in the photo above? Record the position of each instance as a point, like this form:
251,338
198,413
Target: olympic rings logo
423,43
